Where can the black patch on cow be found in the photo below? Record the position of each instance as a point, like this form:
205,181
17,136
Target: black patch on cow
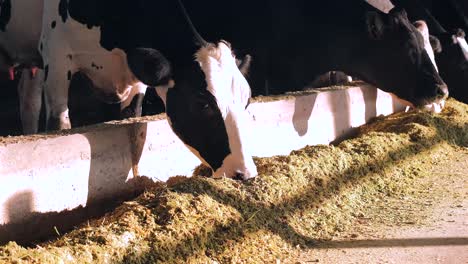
196,119
89,12
453,66
152,103
63,10
41,46
149,66
435,44
69,75
70,57
53,24
95,66
46,72
5,14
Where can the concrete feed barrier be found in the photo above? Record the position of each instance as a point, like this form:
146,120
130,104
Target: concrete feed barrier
52,175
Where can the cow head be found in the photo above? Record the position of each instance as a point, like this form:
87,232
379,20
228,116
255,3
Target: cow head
400,63
452,57
205,105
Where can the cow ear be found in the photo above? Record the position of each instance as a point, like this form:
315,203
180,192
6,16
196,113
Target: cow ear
460,33
397,15
375,25
149,66
435,43
244,64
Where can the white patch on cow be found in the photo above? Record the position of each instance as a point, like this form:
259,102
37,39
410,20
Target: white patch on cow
71,47
383,5
138,88
435,107
223,77
463,44
240,160
232,91
424,30
161,90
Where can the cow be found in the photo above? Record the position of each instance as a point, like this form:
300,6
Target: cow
450,46
340,78
292,41
19,38
205,97
68,47
385,50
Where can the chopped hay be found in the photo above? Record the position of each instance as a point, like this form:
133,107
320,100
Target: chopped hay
311,195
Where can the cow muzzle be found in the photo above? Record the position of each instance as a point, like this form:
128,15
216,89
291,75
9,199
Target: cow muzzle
438,104
236,169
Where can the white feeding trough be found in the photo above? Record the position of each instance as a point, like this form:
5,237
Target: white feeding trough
47,177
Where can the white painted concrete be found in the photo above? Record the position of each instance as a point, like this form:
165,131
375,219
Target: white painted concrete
62,173
320,118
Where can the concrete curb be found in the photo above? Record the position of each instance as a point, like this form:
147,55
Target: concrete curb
60,174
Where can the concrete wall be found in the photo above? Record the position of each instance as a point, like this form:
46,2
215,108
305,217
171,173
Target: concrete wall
52,177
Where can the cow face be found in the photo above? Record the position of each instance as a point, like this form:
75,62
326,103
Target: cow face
207,111
205,105
452,58
401,64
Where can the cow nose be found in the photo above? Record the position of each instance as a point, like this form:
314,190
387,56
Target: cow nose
239,176
442,91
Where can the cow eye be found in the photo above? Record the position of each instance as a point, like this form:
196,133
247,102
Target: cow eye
201,108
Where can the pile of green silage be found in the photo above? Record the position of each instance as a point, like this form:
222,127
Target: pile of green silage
296,201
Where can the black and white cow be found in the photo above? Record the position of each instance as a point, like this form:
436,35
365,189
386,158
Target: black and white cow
340,78
118,46
451,48
385,50
67,47
293,41
20,29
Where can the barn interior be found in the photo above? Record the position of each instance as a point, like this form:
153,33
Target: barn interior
331,160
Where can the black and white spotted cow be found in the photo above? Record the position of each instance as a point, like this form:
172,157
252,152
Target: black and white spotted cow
340,78
385,50
291,42
20,29
446,22
122,47
67,47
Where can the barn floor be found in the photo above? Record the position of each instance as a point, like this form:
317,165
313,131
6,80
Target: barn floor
439,236
388,179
